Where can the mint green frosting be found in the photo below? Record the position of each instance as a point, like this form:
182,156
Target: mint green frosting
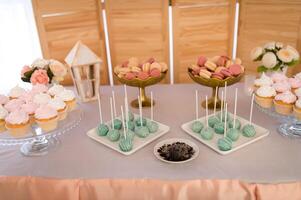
237,124
224,116
129,134
138,121
207,133
248,130
152,126
126,144
102,129
117,124
219,128
197,126
142,131
224,144
233,134
213,120
131,125
113,135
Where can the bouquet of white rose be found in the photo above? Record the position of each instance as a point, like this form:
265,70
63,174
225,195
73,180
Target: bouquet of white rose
274,56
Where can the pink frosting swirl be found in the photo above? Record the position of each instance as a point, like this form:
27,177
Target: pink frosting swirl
295,83
45,112
3,99
39,88
14,104
29,107
282,86
27,96
278,77
17,117
286,97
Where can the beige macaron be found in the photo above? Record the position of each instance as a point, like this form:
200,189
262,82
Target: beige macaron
210,65
205,73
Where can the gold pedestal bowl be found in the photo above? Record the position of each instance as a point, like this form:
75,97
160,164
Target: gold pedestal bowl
142,84
215,84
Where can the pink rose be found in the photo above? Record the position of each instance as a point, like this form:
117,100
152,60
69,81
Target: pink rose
25,69
57,68
39,76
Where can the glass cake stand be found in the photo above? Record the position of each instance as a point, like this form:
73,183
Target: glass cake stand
290,126
37,142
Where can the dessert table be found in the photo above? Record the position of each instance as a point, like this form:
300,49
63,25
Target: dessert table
269,165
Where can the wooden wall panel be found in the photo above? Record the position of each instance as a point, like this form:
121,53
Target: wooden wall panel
61,23
138,28
264,21
201,27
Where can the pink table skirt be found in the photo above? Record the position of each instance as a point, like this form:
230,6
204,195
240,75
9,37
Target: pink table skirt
35,188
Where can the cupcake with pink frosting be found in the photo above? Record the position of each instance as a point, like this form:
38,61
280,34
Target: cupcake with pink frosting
13,105
55,90
39,88
278,77
282,86
27,96
3,114
295,83
60,107
284,102
30,108
46,117
3,99
17,123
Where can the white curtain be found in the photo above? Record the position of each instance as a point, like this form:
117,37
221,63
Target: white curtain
19,42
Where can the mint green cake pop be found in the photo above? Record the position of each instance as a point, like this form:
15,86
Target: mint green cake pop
213,120
207,133
102,129
224,144
248,130
142,131
237,124
152,126
223,117
117,124
131,125
138,121
197,126
125,144
131,116
129,134
113,135
233,134
219,127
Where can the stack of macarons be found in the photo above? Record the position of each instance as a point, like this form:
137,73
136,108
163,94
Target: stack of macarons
217,67
133,68
41,105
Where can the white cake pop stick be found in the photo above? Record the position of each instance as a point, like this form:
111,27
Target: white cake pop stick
112,116
122,118
152,107
126,114
114,104
126,104
99,109
225,124
222,105
251,110
140,109
235,108
196,105
215,99
206,111
225,94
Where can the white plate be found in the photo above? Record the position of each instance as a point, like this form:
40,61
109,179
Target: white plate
138,142
240,143
172,140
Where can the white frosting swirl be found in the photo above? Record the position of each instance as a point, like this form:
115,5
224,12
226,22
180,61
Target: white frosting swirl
57,103
263,80
286,97
266,91
17,117
298,92
45,112
298,76
66,95
3,112
41,99
55,90
16,92
298,103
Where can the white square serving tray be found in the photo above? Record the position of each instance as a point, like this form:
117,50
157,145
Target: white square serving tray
138,143
240,143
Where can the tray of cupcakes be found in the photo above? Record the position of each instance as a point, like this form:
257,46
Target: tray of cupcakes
223,131
129,132
40,110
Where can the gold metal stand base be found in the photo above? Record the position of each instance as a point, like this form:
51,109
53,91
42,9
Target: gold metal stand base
145,101
211,101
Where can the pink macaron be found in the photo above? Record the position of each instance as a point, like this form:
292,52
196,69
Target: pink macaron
143,75
151,60
155,73
222,60
201,61
235,69
219,76
226,73
129,76
125,64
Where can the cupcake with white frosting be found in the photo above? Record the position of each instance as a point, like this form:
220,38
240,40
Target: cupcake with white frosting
284,102
55,90
297,109
30,108
68,97
39,88
264,96
41,98
14,104
17,123
3,114
16,92
3,99
60,107
298,92
264,80
46,117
